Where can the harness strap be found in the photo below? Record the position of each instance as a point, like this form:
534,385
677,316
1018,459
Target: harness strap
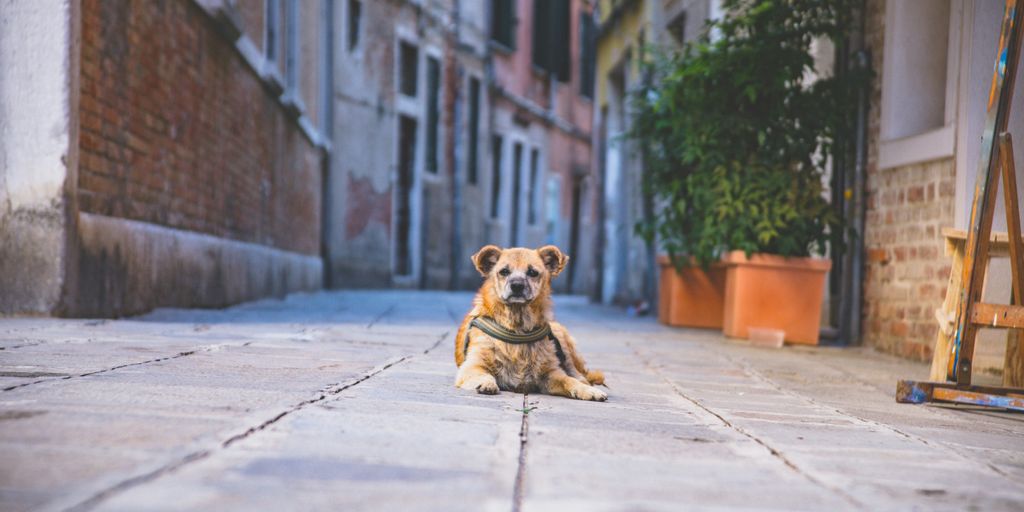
495,330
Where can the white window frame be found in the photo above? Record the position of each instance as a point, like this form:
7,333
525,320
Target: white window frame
409,106
293,58
481,135
328,38
435,52
932,144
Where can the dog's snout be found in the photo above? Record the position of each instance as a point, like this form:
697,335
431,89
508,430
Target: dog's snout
517,287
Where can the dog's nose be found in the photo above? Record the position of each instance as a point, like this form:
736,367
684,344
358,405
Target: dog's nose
517,287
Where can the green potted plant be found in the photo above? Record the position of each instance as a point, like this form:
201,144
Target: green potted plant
736,132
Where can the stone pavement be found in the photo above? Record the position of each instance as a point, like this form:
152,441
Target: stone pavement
344,401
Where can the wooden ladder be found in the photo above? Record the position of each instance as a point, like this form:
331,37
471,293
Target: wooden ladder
971,313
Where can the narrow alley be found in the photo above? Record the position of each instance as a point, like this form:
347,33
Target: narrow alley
344,401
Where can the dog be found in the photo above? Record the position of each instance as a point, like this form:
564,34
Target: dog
510,341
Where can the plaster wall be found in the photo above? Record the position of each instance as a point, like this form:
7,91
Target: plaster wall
35,150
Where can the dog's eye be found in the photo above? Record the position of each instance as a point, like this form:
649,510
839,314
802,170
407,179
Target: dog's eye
532,273
504,272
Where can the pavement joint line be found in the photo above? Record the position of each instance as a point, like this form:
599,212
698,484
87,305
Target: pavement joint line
524,431
380,317
941,411
451,314
112,368
325,393
12,347
749,370
775,452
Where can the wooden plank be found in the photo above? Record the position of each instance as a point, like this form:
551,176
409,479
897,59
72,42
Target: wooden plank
947,313
998,239
919,392
1009,172
1013,362
961,396
976,251
1000,316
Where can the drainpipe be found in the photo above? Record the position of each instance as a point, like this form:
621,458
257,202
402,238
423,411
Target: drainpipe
851,292
851,332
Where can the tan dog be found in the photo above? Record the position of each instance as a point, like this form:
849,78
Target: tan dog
515,300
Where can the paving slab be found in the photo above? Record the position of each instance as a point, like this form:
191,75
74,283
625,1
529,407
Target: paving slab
344,401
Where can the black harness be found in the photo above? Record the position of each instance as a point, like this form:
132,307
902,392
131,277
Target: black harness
495,330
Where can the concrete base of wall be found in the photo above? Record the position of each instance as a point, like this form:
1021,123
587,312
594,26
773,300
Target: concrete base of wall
127,267
31,261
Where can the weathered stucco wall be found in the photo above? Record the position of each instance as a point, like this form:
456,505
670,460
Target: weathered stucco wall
35,151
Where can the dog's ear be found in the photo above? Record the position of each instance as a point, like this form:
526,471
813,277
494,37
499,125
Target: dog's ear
486,258
553,259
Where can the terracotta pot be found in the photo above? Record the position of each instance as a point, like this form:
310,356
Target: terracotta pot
774,292
693,297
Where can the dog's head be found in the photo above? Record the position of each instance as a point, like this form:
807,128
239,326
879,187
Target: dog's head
519,275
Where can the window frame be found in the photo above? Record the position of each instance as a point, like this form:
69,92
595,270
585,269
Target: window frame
353,33
473,130
931,144
511,11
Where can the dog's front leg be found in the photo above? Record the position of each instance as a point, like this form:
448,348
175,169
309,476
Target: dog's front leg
561,384
473,374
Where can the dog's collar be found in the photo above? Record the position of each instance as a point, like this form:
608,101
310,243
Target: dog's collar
495,330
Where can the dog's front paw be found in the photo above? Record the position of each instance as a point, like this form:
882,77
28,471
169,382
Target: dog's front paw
488,387
483,384
590,393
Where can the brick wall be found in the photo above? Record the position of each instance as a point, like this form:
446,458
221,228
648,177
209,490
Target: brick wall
906,266
177,131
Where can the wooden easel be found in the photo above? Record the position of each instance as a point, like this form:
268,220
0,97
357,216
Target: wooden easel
971,313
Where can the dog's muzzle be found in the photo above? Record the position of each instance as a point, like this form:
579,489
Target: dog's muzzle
517,290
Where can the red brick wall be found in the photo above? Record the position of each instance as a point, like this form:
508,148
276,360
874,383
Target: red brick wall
906,268
177,130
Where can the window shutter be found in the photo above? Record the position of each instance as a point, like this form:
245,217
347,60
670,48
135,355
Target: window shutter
541,49
560,30
503,22
551,31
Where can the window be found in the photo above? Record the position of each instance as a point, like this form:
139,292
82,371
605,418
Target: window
474,130
914,78
326,102
587,55
677,27
517,165
433,111
291,61
554,205
270,30
406,181
919,74
355,11
551,37
495,176
533,190
408,60
503,22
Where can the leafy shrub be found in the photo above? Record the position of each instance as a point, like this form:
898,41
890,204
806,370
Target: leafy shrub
736,138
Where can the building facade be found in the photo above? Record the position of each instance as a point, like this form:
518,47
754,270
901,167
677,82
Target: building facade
161,153
933,63
462,124
628,28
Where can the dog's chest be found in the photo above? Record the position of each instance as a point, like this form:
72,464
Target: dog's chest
519,367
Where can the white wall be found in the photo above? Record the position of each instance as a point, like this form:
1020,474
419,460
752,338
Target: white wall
35,143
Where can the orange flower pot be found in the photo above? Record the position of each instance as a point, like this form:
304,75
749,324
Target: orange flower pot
774,292
693,297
